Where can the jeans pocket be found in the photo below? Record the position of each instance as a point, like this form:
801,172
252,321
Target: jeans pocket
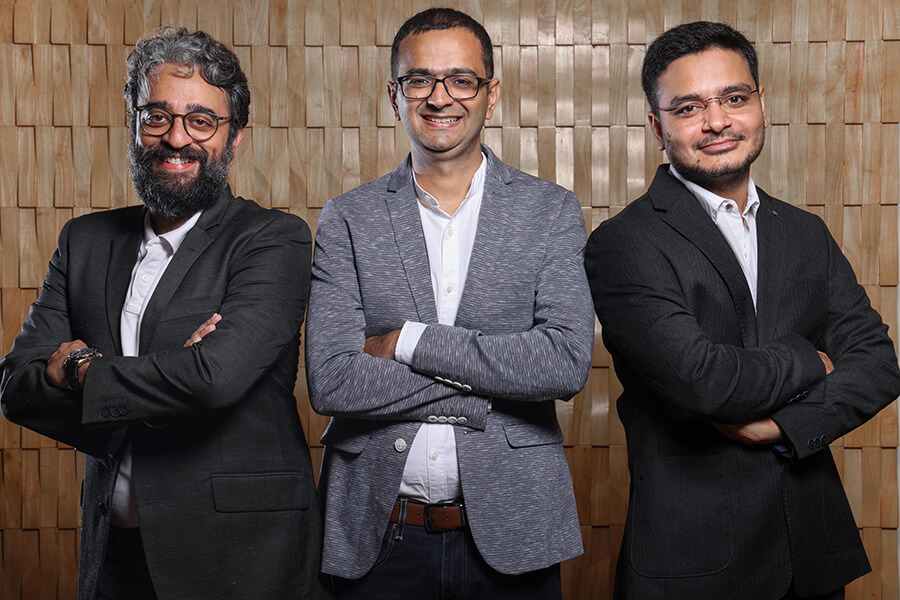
387,545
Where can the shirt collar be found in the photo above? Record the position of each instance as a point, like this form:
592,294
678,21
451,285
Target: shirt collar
173,238
475,187
711,202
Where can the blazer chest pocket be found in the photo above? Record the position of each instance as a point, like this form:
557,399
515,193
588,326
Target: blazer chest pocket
682,523
257,492
522,435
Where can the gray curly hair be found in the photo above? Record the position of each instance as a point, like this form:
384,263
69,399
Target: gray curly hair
219,66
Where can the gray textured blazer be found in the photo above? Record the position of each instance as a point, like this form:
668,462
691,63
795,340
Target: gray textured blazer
523,337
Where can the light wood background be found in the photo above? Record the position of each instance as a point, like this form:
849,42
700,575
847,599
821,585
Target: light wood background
572,111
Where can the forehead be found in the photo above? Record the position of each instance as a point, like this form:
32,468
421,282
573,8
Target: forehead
705,73
175,87
441,51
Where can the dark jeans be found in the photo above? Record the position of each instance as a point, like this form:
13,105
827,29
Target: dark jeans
414,563
124,575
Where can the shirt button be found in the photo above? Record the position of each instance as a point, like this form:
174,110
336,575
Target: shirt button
145,278
434,456
399,444
449,289
449,233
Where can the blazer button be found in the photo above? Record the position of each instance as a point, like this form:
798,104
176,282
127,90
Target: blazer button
811,444
399,444
466,387
462,420
114,411
451,420
102,509
442,419
123,410
432,419
104,412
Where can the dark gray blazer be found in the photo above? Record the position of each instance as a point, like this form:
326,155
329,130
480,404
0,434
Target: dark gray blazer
225,486
710,518
523,337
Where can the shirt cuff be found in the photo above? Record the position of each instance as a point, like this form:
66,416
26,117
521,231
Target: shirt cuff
408,340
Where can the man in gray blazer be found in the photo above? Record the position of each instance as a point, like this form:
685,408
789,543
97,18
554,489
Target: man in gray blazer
449,309
744,346
198,481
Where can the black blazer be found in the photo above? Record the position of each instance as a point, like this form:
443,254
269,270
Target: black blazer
709,518
223,480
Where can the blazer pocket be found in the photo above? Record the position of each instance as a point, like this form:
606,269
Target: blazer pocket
344,438
257,492
521,435
682,523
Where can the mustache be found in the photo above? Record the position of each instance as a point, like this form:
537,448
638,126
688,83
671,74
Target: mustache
714,139
163,151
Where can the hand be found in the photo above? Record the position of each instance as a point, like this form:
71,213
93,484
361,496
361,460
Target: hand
208,326
382,346
829,366
55,372
763,431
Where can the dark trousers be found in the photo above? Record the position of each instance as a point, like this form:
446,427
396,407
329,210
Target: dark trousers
124,574
415,563
836,595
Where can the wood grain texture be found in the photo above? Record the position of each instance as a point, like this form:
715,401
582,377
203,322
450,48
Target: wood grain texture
571,110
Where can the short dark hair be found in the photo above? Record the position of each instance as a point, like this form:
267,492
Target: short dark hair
435,19
691,38
218,65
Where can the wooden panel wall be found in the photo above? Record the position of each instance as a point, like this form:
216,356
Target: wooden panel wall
571,111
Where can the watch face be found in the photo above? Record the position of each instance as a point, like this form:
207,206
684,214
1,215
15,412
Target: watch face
82,353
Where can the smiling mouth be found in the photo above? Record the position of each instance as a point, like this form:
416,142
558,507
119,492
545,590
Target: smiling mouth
177,160
442,119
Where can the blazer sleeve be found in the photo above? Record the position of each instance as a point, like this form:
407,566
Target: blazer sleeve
865,377
649,326
345,381
262,310
550,360
27,398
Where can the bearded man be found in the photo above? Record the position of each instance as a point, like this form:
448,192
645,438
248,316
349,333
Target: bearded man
744,345
164,345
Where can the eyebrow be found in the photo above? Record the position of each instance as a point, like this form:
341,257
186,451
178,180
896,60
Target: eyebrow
737,87
448,72
192,107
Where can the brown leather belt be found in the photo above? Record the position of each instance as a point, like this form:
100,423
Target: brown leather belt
433,517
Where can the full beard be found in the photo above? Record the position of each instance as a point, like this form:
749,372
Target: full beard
720,176
174,195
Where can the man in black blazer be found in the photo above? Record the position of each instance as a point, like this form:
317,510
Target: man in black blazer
164,345
744,346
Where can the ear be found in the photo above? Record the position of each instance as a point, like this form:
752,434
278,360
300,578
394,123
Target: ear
493,96
237,139
656,128
392,95
762,102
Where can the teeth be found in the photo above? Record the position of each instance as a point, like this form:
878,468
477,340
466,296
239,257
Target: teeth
442,119
174,160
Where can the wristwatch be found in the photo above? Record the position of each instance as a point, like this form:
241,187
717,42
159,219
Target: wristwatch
74,360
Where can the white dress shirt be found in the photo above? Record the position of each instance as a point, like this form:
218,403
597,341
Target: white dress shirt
154,255
739,228
432,471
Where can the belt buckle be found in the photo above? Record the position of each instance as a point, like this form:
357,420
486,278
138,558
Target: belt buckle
429,526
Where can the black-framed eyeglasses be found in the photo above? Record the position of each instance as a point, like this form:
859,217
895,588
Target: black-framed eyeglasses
732,102
157,121
459,87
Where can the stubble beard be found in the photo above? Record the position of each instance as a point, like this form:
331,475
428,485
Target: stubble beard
721,176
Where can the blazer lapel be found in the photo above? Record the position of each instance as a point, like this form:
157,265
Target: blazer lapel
490,239
123,254
403,208
772,253
193,245
684,214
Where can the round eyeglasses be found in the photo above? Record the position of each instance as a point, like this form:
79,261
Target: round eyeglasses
731,103
458,87
158,121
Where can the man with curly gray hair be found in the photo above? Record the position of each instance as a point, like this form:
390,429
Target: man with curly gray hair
164,345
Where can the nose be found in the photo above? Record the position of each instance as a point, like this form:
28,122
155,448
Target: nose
716,119
177,136
440,96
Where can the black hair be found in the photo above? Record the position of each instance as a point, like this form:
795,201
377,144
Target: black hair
435,19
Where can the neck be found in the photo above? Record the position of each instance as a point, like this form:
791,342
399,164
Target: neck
447,181
734,187
162,224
